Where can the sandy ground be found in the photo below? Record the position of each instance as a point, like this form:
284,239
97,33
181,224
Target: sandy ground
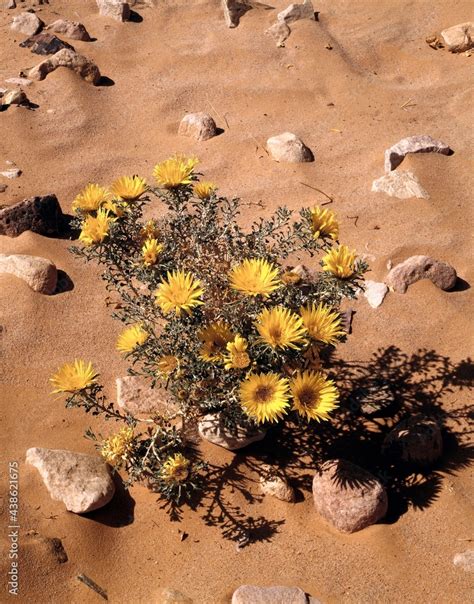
346,104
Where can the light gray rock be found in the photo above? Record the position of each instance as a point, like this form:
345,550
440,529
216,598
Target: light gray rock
465,560
403,185
11,173
275,484
135,396
199,126
211,427
375,292
40,274
10,4
19,81
82,482
233,10
459,37
287,147
252,594
13,97
348,497
27,23
80,64
420,143
415,440
280,32
118,10
421,267
69,29
295,12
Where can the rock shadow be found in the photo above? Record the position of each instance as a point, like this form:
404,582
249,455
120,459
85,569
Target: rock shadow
64,284
120,511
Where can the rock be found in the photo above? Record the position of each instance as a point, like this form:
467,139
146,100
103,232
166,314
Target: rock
459,37
70,59
45,44
233,10
347,496
82,482
211,427
3,188
51,547
274,484
11,4
27,23
465,560
287,147
421,267
40,274
280,32
199,126
421,143
168,595
19,81
13,97
375,292
42,215
294,12
415,440
70,29
252,594
402,185
135,396
11,173
118,10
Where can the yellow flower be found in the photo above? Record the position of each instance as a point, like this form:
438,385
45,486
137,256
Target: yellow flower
180,292
324,223
150,231
323,324
91,198
255,277
116,207
167,364
95,228
129,187
73,377
280,328
131,337
175,470
264,396
314,396
204,189
117,448
237,356
340,262
214,337
150,251
175,171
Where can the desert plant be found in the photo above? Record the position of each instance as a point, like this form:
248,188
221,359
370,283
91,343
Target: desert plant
215,315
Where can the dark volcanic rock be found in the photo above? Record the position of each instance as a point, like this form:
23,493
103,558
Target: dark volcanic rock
42,215
45,44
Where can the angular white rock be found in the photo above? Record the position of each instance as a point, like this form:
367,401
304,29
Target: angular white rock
118,10
465,560
135,396
274,484
253,594
199,126
19,81
459,37
211,427
69,29
402,185
294,12
40,274
27,23
82,482
375,292
420,143
287,147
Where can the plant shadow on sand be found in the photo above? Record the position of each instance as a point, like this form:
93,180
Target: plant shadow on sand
375,396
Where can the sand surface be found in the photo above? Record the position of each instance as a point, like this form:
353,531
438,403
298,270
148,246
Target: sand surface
347,106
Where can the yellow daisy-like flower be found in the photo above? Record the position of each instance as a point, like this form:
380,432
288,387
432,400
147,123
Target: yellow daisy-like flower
129,187
255,277
280,328
204,189
150,231
117,447
167,364
73,377
175,470
264,396
340,262
314,396
179,293
150,251
175,171
116,207
91,198
214,337
237,356
131,337
95,228
323,323
324,223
